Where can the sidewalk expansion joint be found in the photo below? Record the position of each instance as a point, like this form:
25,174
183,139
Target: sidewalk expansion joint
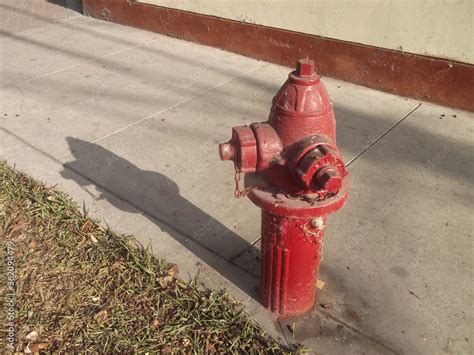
233,258
155,114
72,66
355,330
387,131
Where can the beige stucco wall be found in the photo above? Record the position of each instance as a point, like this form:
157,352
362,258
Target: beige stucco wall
440,28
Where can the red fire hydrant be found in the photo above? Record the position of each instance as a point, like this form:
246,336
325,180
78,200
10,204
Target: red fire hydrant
303,180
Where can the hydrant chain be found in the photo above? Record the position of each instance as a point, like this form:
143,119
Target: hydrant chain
238,193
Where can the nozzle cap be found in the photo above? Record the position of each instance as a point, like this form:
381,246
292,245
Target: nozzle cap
226,151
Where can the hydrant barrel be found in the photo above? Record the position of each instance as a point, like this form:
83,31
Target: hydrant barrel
291,250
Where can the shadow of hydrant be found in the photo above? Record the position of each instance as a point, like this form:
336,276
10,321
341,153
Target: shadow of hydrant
157,197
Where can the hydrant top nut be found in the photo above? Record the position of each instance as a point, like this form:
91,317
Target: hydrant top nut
305,67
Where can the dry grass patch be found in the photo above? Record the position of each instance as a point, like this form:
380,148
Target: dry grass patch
81,288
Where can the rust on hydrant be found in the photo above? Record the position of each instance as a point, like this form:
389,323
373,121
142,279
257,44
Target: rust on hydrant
302,180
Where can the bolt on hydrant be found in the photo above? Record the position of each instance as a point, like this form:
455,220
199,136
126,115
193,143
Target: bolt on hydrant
300,179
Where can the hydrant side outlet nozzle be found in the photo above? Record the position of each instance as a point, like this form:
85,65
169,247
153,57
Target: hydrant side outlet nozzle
304,180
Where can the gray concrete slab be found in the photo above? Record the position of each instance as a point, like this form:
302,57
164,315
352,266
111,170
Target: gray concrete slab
398,258
177,152
110,93
23,15
129,121
62,45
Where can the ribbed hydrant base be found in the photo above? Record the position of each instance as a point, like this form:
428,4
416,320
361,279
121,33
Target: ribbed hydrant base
291,250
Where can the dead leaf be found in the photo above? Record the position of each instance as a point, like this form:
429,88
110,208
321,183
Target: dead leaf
101,316
33,244
82,241
32,335
172,270
88,227
155,323
165,281
16,230
37,347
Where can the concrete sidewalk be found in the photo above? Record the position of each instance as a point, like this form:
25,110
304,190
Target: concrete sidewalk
127,122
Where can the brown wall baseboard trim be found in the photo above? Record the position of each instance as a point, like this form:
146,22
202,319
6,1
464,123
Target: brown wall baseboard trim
436,80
